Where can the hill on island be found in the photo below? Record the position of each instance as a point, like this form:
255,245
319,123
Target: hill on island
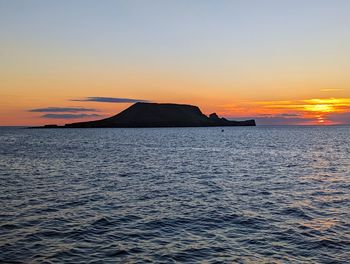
161,115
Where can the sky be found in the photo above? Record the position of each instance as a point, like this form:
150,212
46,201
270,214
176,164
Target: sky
280,62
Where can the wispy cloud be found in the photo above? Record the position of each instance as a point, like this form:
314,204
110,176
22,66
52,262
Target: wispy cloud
284,115
109,100
325,105
69,116
277,120
274,120
307,111
340,118
62,110
287,115
331,90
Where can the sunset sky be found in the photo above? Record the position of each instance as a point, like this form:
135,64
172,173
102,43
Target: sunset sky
281,62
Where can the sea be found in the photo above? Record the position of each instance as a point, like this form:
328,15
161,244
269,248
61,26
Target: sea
265,194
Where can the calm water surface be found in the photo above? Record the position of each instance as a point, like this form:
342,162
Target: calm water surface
245,195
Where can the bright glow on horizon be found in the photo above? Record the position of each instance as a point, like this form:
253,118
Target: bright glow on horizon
298,112
324,108
281,62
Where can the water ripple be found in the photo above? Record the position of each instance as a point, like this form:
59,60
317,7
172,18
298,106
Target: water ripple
248,195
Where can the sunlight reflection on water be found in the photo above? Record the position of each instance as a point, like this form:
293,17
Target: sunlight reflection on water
257,194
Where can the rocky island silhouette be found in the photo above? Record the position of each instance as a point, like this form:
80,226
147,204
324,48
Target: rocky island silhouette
159,115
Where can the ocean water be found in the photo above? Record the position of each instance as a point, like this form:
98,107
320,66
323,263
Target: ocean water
167,195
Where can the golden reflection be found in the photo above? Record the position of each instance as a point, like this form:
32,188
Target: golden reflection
321,224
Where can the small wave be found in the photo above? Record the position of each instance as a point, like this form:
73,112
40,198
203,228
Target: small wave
295,212
10,226
102,222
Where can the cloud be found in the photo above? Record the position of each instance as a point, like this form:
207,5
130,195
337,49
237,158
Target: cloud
287,115
69,116
270,113
331,90
339,118
109,100
284,115
62,110
325,111
277,120
307,105
283,120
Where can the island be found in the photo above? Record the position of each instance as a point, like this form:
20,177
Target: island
158,115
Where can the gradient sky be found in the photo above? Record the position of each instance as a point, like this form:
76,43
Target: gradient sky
281,62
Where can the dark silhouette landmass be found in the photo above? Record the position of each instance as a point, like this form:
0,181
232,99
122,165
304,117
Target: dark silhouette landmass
159,115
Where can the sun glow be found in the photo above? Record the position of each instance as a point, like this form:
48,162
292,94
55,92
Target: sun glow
324,108
308,111
320,120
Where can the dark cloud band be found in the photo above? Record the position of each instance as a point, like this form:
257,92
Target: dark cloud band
277,119
109,100
69,116
62,110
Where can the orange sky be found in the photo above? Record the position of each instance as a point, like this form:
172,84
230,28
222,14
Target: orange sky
281,63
